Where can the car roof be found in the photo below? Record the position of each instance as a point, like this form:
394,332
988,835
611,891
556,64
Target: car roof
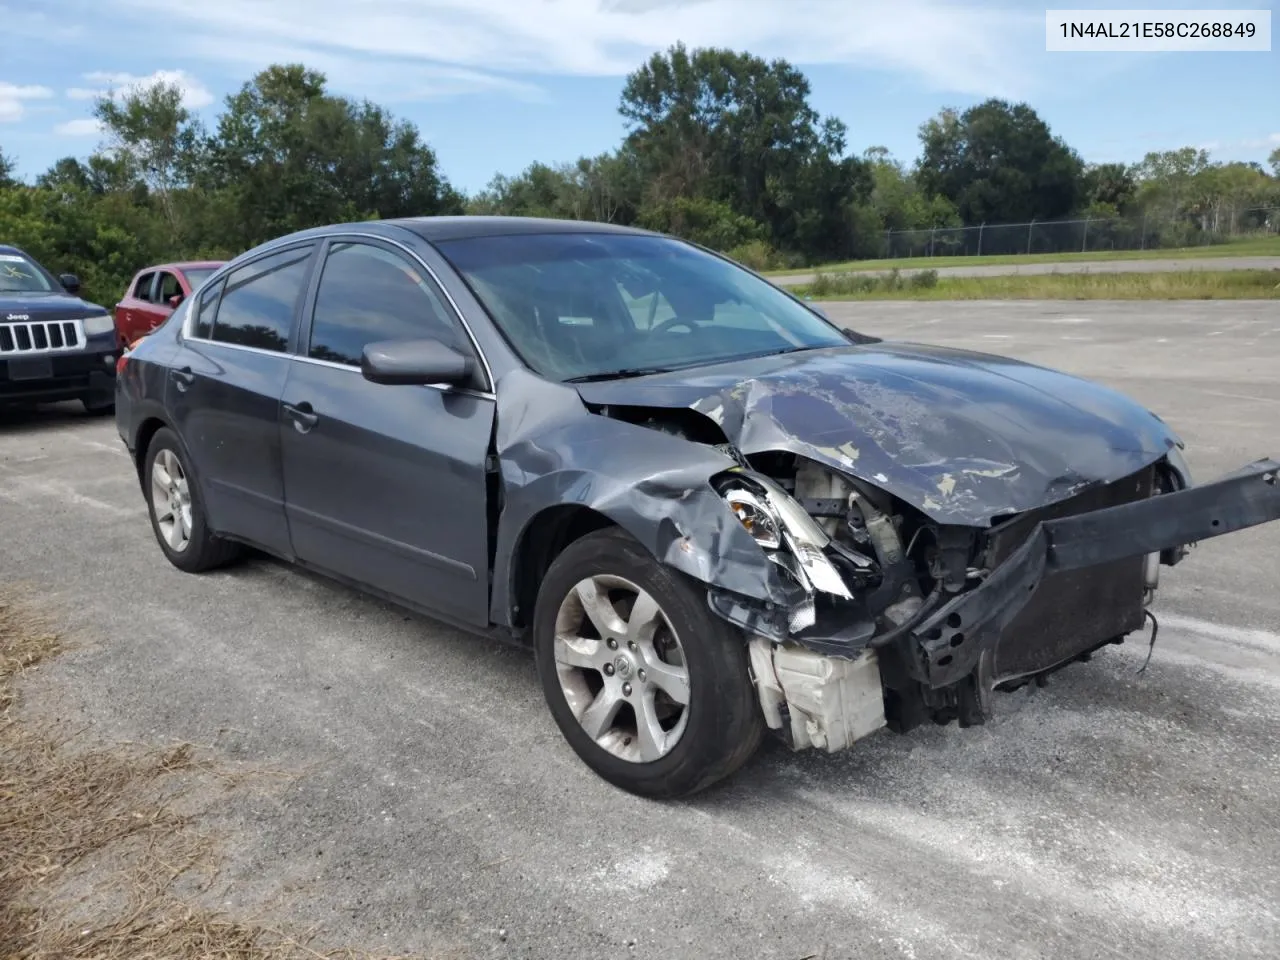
435,229
8,248
184,265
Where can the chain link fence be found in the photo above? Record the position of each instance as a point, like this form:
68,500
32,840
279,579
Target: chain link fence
1082,236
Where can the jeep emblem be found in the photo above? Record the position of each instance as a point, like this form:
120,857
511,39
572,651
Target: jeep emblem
18,316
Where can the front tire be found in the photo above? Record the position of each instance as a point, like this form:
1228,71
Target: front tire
651,689
177,512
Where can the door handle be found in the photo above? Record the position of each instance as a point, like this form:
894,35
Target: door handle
303,416
182,378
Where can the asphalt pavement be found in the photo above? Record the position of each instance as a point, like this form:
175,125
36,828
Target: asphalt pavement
1109,814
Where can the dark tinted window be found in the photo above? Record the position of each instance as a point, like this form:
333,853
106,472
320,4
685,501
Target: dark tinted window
197,275
258,300
142,289
206,307
169,287
367,294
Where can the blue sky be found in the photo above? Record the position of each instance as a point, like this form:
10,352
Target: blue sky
496,84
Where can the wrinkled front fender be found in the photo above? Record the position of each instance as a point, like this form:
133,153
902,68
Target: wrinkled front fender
552,452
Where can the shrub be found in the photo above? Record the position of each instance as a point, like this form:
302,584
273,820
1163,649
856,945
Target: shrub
756,255
923,280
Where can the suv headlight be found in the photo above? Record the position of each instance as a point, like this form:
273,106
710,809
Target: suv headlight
96,326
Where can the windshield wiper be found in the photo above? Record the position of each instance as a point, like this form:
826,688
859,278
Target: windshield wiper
622,374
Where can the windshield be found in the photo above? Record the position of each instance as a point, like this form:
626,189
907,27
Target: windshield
197,276
18,274
579,305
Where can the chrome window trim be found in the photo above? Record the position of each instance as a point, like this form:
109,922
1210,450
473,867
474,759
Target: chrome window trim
347,368
435,278
222,273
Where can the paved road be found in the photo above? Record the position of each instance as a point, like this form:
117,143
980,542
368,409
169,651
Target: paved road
1107,815
1082,266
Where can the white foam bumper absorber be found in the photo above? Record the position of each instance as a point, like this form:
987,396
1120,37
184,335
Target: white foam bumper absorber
831,703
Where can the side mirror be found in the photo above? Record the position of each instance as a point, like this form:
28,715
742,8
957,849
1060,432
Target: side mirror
70,283
175,300
414,362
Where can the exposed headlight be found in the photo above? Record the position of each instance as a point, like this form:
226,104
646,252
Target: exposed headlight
95,326
773,518
757,517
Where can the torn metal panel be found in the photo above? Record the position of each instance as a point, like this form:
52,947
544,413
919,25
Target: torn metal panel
953,639
654,485
964,437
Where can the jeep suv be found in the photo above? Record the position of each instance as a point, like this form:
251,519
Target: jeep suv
53,345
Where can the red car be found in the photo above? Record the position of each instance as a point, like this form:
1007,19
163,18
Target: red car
154,293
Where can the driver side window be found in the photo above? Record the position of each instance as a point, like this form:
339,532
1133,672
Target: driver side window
367,294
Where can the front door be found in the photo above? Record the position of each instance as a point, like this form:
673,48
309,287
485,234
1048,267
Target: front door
224,390
386,485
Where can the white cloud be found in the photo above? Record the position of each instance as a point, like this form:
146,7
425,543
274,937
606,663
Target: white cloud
194,94
83,127
13,100
948,46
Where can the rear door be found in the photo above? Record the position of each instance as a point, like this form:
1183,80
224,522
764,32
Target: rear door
224,392
167,287
386,485
130,318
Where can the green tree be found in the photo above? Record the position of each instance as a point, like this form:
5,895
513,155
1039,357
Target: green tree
1274,160
708,222
152,140
898,200
6,170
736,129
999,163
1109,184
288,155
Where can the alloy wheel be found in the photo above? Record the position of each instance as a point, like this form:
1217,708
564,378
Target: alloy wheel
621,668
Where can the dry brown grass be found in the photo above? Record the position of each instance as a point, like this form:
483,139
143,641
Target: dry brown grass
101,855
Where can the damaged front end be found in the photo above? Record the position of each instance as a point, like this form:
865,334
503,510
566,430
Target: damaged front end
901,619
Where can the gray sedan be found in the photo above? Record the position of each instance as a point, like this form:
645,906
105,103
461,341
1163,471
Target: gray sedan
710,511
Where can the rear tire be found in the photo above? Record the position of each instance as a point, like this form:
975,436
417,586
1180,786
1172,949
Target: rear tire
719,726
177,511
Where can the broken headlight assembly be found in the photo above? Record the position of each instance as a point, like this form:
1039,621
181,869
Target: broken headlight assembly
775,520
757,517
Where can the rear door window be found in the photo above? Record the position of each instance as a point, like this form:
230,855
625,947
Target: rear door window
259,300
142,288
168,287
206,307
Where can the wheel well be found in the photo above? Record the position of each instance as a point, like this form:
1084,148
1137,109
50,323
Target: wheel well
145,432
544,539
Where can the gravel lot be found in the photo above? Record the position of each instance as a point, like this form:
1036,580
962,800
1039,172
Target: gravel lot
1108,814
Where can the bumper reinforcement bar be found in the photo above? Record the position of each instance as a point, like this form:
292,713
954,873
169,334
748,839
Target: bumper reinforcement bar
950,643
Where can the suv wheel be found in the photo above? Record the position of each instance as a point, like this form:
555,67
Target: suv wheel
98,404
177,514
650,688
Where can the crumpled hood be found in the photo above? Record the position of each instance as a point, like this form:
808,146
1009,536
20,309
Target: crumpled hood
46,306
962,436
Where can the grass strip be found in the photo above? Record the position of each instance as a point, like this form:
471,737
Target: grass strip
1162,285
